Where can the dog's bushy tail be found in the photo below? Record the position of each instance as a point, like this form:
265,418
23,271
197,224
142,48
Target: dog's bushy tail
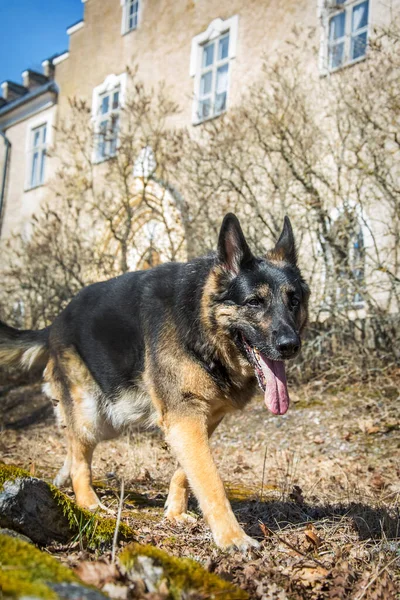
25,348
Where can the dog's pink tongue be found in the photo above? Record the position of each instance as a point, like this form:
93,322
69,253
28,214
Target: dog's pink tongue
276,395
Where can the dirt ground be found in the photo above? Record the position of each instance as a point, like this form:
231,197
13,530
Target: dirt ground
319,487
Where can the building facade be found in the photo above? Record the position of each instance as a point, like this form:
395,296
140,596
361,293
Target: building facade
207,55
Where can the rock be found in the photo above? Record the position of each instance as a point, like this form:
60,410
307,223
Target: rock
34,508
29,573
28,506
15,534
75,591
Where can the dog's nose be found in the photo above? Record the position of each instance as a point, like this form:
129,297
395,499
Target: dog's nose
288,344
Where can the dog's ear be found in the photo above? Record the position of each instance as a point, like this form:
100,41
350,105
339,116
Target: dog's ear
285,247
233,251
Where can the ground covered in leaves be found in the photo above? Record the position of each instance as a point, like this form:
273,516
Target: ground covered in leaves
319,487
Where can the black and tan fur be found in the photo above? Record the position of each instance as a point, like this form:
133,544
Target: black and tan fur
164,347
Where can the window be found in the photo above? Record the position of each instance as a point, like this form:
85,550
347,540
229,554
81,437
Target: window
210,64
351,277
130,15
107,124
214,78
107,101
347,33
37,158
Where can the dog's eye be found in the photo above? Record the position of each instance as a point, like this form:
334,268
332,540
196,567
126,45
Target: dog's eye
254,302
294,301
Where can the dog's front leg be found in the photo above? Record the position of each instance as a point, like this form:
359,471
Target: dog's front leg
188,437
178,495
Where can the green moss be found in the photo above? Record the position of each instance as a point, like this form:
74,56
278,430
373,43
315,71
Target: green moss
91,528
25,570
11,473
182,574
96,530
172,539
238,493
308,403
144,515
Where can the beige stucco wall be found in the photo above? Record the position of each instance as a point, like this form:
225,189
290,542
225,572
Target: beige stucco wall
161,45
161,48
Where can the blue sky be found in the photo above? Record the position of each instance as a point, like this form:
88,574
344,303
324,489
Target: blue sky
33,30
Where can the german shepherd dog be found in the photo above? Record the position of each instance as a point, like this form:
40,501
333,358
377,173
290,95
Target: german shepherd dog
180,346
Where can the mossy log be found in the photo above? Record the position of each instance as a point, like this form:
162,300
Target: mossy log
26,572
40,511
180,576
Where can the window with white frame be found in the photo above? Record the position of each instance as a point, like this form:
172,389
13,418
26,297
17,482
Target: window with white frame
347,32
210,65
213,90
107,123
130,15
351,277
37,155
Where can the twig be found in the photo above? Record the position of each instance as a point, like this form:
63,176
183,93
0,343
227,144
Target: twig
115,539
265,528
379,573
263,473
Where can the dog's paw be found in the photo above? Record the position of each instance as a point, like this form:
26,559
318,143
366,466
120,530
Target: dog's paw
89,500
62,479
179,517
100,506
236,541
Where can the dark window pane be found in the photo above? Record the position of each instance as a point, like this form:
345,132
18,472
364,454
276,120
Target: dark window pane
205,83
359,16
208,55
337,26
35,161
223,48
358,45
204,109
36,137
220,102
43,157
222,79
115,103
104,105
133,21
336,55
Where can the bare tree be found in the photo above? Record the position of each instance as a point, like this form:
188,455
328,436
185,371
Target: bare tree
102,217
325,150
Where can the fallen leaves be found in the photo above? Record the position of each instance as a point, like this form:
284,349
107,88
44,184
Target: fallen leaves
312,536
309,576
368,426
97,573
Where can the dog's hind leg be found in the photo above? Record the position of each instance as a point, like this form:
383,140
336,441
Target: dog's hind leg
77,469
81,473
177,501
63,477
70,385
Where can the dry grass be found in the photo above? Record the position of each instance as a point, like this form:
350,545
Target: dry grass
320,488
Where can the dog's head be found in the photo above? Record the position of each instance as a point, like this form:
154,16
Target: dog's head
260,304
